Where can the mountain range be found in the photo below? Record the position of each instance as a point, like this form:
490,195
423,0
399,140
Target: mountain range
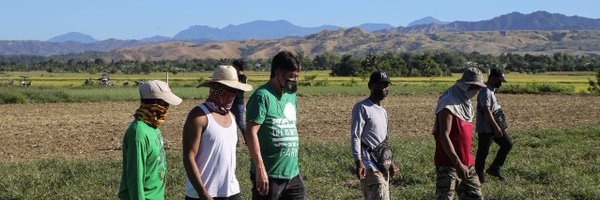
358,42
540,20
73,37
267,32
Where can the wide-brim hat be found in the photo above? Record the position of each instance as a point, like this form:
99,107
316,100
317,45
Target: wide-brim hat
472,76
226,75
156,89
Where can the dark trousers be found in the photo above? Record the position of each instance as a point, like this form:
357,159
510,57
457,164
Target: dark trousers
232,197
239,111
485,141
284,189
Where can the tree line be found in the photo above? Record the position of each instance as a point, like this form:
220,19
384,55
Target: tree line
407,64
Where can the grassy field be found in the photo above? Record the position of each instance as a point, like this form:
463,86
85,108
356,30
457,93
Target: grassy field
190,79
94,94
67,87
545,164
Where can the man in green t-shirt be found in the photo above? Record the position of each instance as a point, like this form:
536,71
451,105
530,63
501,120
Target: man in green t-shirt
271,133
144,162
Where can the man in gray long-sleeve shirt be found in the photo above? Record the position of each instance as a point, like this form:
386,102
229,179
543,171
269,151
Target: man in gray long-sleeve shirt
369,129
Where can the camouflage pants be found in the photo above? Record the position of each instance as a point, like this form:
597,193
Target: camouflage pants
375,186
448,183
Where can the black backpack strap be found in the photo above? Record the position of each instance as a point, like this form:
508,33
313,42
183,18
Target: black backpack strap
370,149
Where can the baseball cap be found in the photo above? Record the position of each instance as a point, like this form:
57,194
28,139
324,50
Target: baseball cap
156,89
226,75
495,72
379,77
472,76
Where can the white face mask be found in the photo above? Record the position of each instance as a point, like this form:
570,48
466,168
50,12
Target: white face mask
471,93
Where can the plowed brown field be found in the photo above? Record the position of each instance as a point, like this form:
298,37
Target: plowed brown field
34,131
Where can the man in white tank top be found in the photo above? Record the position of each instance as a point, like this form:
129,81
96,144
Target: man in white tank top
209,140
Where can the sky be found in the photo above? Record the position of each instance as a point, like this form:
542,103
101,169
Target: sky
137,19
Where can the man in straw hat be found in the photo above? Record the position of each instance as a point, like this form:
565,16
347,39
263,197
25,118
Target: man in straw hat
210,138
453,132
272,135
144,162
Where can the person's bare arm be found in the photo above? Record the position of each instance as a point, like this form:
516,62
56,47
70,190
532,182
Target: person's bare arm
192,136
445,126
262,178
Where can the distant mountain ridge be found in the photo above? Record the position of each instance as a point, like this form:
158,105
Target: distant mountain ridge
73,37
260,29
540,20
358,42
33,47
281,29
375,26
425,21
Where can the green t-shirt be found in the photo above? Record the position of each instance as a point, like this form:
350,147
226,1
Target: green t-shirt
144,163
277,135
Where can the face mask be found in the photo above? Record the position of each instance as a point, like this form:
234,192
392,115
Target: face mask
380,94
153,114
222,97
497,85
471,93
290,86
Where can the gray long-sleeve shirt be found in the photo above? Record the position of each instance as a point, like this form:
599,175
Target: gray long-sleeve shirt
369,124
486,98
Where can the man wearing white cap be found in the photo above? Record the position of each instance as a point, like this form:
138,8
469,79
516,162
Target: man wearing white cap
210,138
144,162
453,132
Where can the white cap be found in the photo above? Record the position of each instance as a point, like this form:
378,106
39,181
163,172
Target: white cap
227,75
156,89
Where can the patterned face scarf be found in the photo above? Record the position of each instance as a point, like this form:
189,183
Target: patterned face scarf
153,114
219,100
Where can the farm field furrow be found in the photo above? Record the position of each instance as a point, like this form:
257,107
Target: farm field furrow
81,130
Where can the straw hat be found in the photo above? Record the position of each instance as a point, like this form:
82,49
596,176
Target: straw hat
226,75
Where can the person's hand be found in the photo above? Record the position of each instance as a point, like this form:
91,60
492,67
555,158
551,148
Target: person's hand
205,196
499,132
262,182
462,171
394,169
361,171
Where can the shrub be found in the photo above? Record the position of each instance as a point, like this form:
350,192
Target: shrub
10,96
353,82
538,88
594,87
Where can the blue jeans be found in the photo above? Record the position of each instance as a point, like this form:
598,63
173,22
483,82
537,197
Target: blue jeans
239,111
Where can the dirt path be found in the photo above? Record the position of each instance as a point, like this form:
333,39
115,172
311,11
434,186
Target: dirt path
33,131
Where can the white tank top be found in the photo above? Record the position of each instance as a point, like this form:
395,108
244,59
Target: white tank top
216,160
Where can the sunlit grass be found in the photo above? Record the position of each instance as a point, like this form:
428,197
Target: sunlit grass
544,164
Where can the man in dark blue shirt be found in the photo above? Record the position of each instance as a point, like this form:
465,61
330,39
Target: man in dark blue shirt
239,108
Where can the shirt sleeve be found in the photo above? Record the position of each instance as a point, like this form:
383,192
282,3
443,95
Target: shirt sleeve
135,168
358,123
256,109
484,99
